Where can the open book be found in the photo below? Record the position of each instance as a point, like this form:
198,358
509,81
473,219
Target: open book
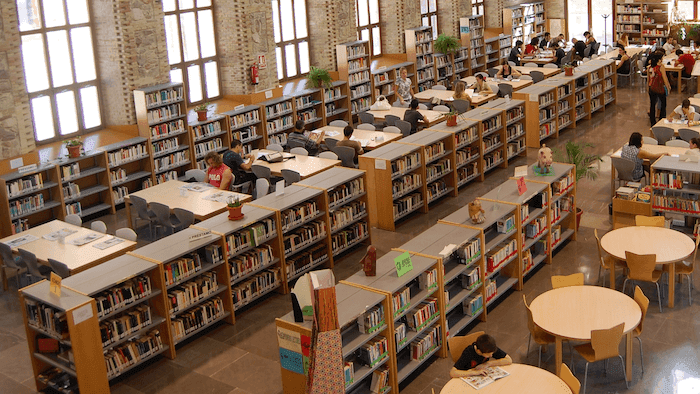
492,375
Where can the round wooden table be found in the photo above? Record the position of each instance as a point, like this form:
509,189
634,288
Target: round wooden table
523,379
572,312
669,246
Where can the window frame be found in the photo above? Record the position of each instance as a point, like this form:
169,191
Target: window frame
200,61
429,14
369,26
75,86
695,9
476,5
296,41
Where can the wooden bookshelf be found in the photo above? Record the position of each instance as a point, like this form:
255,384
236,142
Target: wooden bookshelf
675,190
540,113
596,77
643,21
610,81
467,144
85,185
474,40
525,21
336,103
130,167
396,171
419,50
308,106
384,79
278,118
245,125
515,125
566,102
211,135
354,59
444,68
492,51
492,134
462,64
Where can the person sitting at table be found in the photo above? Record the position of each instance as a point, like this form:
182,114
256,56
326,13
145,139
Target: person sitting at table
579,47
633,151
507,71
218,173
480,86
685,111
590,40
623,41
694,147
559,53
515,54
670,46
312,144
404,91
545,40
623,67
346,141
531,48
235,160
478,356
688,62
413,116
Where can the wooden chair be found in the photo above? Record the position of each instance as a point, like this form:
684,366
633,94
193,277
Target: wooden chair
607,262
540,336
458,344
649,221
642,267
604,345
566,281
643,303
687,270
569,378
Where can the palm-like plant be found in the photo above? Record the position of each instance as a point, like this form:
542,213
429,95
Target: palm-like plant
575,153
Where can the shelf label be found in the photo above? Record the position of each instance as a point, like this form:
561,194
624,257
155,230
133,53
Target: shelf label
55,284
403,264
27,168
380,164
268,94
202,235
288,339
81,314
522,187
239,107
464,29
18,162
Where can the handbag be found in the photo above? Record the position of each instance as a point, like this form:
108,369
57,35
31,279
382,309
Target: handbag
382,104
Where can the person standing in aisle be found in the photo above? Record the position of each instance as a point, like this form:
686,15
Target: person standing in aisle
218,174
404,91
656,74
515,54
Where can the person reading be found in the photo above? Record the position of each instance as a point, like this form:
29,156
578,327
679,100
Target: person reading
688,62
312,143
413,116
694,146
531,48
346,141
478,356
623,67
545,40
218,173
515,54
507,71
683,112
480,86
235,160
633,151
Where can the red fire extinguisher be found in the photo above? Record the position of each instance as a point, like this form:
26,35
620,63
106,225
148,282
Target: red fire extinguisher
254,74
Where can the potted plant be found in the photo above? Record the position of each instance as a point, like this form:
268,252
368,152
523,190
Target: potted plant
201,111
233,204
575,153
452,118
446,44
319,77
568,69
74,145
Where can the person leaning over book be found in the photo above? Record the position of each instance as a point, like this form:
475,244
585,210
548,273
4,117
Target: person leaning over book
478,356
235,159
311,144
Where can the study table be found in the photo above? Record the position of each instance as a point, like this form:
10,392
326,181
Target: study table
306,166
548,72
570,313
538,60
446,95
170,194
669,246
516,83
77,258
430,117
367,138
523,379
653,149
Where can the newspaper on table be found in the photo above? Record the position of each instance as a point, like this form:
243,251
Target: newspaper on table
363,142
108,243
196,187
62,233
86,239
480,381
218,197
332,133
24,239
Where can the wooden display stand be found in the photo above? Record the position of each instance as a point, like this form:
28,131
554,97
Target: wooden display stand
624,212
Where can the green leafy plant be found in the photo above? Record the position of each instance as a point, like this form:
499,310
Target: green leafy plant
233,202
446,44
201,107
318,77
575,153
75,141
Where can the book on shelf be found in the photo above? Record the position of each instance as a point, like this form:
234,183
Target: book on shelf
250,261
426,343
427,311
427,279
401,300
471,279
375,350
163,96
186,294
371,320
196,318
491,290
132,352
46,318
122,326
380,380
349,373
255,286
24,185
473,305
122,295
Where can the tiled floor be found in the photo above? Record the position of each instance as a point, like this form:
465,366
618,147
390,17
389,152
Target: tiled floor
243,358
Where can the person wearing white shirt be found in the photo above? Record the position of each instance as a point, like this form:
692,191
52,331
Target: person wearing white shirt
670,46
683,112
694,147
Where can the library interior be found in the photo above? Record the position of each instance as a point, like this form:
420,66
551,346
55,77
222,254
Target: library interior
362,197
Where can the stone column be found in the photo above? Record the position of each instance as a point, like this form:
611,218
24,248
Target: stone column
397,16
331,22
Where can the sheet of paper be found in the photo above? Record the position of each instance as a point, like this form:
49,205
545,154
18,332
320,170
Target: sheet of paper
332,133
81,314
24,239
520,171
470,92
218,197
86,239
196,187
288,339
108,243
447,250
62,233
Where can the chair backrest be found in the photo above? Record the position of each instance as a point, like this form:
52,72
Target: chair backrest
600,248
511,63
185,217
587,51
492,71
338,123
678,143
275,147
662,134
330,142
197,174
569,378
696,116
141,207
404,126
99,226
650,141
568,280
461,106
29,259
441,108
640,66
392,129
391,119
74,219
593,56
643,303
328,155
261,171
366,126
346,155
295,144
505,89
126,233
494,87
422,106
585,59
688,134
262,187
537,76
534,330
439,87
624,168
606,343
7,258
525,78
458,344
162,212
530,64
59,268
483,74
649,221
550,65
299,151
610,49
640,266
290,176
365,117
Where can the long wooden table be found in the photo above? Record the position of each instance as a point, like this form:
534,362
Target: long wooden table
523,379
77,258
373,139
538,60
430,117
517,84
548,72
306,166
447,96
653,149
570,313
169,193
669,246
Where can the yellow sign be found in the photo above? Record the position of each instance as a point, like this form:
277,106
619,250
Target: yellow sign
55,284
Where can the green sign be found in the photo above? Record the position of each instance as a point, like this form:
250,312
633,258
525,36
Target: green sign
464,29
403,264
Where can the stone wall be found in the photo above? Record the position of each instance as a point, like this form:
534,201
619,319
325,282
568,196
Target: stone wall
396,17
331,22
449,12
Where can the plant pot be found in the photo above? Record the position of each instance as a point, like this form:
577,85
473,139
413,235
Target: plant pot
201,116
451,120
234,213
569,71
579,213
73,151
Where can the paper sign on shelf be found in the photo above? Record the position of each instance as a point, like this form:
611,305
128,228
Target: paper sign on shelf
534,97
55,284
403,264
291,361
322,279
447,250
288,339
520,171
380,164
268,94
27,168
81,314
198,236
464,29
239,107
522,187
279,188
